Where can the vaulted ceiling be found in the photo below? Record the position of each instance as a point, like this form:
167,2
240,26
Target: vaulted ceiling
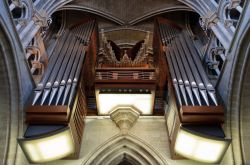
127,11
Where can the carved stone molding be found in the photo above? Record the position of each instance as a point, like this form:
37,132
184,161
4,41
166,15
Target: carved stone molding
234,3
17,3
41,18
209,20
228,22
124,117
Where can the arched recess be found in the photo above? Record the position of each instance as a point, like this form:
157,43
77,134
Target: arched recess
127,148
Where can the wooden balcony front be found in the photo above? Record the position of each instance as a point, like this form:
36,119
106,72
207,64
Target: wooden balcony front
125,75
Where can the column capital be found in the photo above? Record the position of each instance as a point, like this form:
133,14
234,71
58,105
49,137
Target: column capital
17,3
41,18
233,4
209,20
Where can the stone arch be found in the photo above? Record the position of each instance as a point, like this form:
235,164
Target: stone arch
29,9
244,111
159,12
24,10
193,5
124,147
238,116
15,85
121,22
128,158
103,14
9,99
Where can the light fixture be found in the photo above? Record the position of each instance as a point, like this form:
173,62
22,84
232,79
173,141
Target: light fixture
200,147
106,102
48,147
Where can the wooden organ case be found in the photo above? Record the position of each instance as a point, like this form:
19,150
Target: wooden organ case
59,100
130,74
192,100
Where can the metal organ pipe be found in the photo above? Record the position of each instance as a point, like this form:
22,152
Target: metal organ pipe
187,73
60,80
66,65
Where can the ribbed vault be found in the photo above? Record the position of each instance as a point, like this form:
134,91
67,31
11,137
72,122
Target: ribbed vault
124,148
133,11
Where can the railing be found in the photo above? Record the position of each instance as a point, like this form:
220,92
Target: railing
125,75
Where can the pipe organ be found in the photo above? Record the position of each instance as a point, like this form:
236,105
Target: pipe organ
192,101
99,78
59,100
125,79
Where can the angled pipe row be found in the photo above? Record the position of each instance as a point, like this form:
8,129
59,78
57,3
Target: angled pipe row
189,79
59,82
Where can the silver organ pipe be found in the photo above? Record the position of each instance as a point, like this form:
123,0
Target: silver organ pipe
59,82
190,81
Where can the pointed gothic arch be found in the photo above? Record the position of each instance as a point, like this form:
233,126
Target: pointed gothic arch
124,147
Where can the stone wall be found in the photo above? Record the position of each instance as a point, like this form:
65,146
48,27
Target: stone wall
150,131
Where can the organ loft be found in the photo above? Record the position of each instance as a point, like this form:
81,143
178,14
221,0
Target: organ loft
125,82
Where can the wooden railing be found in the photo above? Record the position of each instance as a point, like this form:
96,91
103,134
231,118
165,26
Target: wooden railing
122,74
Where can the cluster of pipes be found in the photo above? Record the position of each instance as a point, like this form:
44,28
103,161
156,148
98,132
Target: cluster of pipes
109,54
59,82
191,84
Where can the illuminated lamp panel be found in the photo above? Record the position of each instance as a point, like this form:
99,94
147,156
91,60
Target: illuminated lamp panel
109,99
49,146
200,147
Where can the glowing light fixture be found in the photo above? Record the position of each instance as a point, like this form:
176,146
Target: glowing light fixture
201,148
48,147
143,102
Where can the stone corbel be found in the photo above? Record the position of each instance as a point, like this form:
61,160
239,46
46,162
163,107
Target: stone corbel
125,118
228,22
41,18
218,50
212,63
209,20
22,21
17,3
234,4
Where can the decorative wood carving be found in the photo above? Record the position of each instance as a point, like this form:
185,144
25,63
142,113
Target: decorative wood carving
107,54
